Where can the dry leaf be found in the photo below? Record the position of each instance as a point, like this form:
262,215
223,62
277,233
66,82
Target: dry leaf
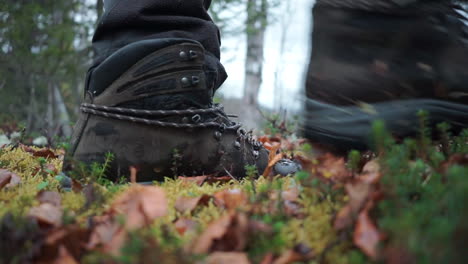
141,205
331,167
8,179
270,143
198,180
358,193
371,172
258,226
228,233
215,231
219,179
71,237
14,181
293,209
230,199
367,236
291,194
228,258
64,257
52,198
76,186
44,153
47,214
300,253
268,258
235,238
273,158
5,177
108,236
188,204
52,168
183,225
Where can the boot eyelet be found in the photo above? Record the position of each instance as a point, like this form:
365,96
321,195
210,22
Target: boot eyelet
195,80
256,147
218,135
237,145
255,154
192,54
241,132
196,118
222,128
183,55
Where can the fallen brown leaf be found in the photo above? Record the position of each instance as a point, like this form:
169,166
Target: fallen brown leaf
270,143
5,177
291,194
52,198
367,236
108,235
258,226
219,179
268,258
64,257
230,199
8,179
227,258
198,180
141,205
52,168
44,153
76,186
371,172
332,168
293,209
215,231
358,193
72,237
183,225
273,158
188,204
47,214
14,181
300,253
228,233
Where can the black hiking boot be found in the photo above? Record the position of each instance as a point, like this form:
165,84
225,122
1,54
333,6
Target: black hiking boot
384,60
150,105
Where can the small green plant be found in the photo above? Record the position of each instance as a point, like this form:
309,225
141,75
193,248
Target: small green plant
354,159
96,172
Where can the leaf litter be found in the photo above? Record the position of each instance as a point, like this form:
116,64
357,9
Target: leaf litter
204,218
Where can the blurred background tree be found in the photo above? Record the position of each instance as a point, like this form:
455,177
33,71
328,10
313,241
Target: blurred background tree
255,16
44,52
45,49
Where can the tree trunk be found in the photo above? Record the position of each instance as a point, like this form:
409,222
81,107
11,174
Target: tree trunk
256,26
62,116
99,8
285,22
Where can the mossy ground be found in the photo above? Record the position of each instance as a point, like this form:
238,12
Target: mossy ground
423,213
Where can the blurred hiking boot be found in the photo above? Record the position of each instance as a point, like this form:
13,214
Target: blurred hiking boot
150,104
384,59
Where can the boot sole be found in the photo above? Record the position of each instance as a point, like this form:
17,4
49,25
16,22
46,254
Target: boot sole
350,127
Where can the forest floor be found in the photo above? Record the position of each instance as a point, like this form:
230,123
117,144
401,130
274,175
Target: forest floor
402,203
